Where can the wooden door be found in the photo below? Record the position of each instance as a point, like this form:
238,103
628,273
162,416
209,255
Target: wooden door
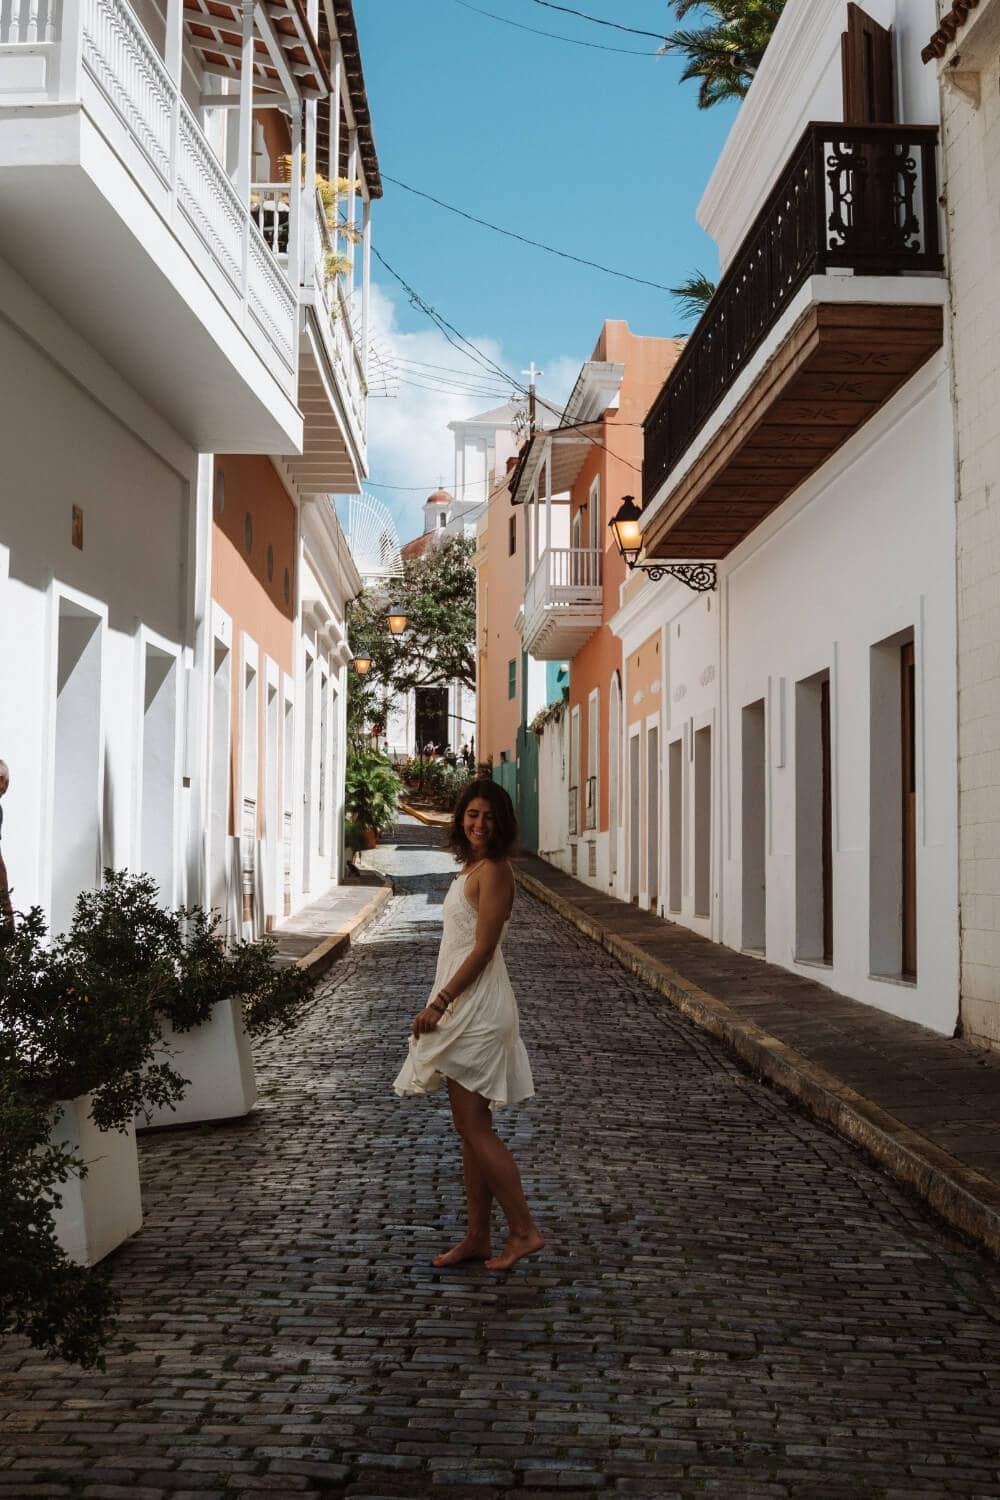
827,815
909,822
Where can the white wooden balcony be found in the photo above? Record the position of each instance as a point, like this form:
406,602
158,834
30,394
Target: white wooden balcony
119,214
563,603
333,392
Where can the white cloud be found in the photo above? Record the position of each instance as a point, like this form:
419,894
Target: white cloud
408,439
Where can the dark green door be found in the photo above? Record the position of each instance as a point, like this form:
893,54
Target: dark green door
527,788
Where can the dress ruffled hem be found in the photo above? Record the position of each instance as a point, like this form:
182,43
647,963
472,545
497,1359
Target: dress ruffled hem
511,1084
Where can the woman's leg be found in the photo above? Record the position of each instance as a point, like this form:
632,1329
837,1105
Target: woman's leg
498,1169
475,1245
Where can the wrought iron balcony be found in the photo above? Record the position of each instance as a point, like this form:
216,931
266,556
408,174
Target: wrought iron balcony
858,198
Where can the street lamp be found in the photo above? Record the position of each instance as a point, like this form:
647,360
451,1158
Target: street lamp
362,662
624,527
396,619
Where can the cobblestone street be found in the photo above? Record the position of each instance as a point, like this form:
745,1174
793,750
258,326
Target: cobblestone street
732,1303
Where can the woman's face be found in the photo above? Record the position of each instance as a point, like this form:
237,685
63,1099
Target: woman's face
478,824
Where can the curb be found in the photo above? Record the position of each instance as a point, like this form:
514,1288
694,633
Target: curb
431,820
960,1195
326,952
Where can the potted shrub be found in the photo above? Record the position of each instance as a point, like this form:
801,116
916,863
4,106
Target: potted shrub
60,1307
209,998
82,1031
370,794
221,998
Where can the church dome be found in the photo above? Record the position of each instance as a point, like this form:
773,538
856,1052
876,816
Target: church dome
440,497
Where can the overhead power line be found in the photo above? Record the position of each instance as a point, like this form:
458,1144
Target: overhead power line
556,36
451,334
599,21
580,260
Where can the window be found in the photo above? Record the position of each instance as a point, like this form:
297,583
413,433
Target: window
813,820
594,513
754,827
703,822
512,677
593,756
442,519
893,807
512,536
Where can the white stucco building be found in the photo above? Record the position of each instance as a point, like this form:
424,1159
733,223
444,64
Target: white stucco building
166,297
788,761
963,50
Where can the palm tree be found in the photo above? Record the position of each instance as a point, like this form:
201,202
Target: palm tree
694,294
726,53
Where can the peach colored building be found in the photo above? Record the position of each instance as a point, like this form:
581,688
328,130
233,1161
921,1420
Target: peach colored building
572,584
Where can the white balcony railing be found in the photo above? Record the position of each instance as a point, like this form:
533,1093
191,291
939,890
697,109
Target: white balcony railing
563,602
98,53
334,308
29,21
564,576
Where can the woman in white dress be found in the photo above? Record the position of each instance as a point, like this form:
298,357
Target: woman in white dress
468,1033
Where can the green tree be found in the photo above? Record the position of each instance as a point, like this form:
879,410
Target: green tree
437,592
725,52
694,294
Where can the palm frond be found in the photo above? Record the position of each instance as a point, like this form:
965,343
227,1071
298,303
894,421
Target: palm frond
694,294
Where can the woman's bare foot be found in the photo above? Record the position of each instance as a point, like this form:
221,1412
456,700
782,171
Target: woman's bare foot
469,1249
516,1246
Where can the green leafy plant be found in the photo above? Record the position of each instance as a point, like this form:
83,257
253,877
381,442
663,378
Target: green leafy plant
371,790
724,54
62,1308
694,294
184,958
82,1022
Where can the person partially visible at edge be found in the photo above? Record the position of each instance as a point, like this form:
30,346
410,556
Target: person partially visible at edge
468,1034
6,910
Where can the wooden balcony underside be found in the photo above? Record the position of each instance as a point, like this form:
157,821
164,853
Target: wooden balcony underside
839,364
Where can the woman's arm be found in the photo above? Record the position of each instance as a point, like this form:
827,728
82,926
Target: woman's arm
496,896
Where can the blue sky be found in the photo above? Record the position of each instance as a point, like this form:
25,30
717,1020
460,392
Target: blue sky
600,154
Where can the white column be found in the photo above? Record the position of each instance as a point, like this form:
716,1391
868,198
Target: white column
295,197
307,223
333,163
173,45
244,157
366,277
352,199
548,496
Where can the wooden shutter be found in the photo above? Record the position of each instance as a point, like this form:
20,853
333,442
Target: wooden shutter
866,60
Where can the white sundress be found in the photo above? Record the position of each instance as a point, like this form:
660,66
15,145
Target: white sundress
478,1042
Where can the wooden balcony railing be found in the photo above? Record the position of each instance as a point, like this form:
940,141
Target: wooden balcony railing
862,197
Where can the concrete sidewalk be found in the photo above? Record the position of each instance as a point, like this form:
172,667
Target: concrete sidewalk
322,931
926,1107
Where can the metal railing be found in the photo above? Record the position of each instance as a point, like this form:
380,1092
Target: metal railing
862,197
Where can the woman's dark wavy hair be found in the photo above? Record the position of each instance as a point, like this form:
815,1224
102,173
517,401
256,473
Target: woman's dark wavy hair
504,838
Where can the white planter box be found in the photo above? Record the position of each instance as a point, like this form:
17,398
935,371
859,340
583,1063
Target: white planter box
103,1208
217,1059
